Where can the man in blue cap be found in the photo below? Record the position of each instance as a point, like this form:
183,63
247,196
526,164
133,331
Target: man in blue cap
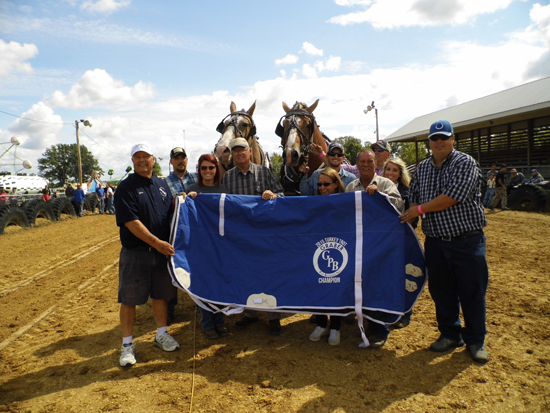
446,191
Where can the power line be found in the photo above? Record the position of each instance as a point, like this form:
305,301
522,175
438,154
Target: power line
34,120
81,131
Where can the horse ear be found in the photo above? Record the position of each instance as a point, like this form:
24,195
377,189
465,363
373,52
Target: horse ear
250,111
232,107
313,106
286,108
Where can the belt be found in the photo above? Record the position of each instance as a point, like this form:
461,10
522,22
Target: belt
150,249
463,235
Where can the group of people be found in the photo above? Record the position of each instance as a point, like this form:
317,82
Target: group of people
105,198
445,191
498,187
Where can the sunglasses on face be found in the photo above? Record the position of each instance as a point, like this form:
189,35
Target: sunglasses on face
204,167
338,154
325,184
378,149
435,138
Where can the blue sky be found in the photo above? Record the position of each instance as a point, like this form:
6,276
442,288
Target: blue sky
144,71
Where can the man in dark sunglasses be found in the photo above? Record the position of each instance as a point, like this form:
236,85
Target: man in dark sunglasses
334,157
382,151
446,190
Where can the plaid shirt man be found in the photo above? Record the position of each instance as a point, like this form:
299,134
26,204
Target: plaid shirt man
458,177
254,182
178,185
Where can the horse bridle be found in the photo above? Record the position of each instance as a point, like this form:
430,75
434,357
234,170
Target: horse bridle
222,126
292,118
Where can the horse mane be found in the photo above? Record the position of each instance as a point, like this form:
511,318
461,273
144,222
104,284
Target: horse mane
299,105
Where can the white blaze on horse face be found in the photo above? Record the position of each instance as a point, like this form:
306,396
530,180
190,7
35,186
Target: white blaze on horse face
292,147
223,143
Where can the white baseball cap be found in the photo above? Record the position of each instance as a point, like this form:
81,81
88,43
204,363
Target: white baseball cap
141,147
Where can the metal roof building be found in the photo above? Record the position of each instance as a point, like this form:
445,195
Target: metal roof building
512,126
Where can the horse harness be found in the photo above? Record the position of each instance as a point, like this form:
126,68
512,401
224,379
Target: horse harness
233,121
293,117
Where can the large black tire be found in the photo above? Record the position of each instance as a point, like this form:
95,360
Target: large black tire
62,206
90,202
37,208
12,215
528,197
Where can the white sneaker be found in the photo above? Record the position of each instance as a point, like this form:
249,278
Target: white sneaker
166,342
334,338
128,355
318,333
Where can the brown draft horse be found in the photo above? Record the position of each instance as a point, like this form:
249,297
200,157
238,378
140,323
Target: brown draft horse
298,131
238,124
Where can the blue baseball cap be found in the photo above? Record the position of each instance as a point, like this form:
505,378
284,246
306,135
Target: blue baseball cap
441,127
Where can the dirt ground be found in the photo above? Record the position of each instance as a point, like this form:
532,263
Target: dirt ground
60,340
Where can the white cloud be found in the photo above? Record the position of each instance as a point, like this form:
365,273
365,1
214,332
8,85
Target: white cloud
96,87
312,50
99,31
42,131
104,6
309,71
332,64
383,14
13,57
539,32
289,59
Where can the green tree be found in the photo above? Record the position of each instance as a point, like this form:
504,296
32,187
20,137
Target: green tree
276,163
407,151
60,162
352,147
157,170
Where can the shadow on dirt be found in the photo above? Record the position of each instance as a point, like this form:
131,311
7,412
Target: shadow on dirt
344,376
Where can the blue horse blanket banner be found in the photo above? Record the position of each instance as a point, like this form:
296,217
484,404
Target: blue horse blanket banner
334,254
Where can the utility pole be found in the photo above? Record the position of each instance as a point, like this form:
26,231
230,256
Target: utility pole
367,110
86,123
79,156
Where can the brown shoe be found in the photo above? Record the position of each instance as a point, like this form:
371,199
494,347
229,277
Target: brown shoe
211,334
275,327
222,331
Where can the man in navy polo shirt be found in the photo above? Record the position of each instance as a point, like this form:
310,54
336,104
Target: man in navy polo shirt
446,191
144,206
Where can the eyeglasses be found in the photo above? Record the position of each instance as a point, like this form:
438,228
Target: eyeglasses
204,167
378,150
338,154
435,138
325,184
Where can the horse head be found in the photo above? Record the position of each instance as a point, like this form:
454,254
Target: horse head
238,124
296,130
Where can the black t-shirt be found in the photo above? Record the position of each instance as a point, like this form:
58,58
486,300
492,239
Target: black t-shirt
148,200
500,176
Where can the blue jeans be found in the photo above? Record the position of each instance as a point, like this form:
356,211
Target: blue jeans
110,206
211,320
489,195
101,205
457,278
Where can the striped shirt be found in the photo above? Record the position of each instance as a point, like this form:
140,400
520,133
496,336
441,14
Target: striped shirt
459,177
255,181
178,185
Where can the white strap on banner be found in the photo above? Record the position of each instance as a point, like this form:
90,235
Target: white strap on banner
222,215
359,266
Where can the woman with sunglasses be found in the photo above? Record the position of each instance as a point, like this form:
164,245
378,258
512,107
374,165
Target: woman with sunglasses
213,324
329,183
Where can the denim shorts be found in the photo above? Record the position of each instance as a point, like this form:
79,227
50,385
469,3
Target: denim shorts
143,274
